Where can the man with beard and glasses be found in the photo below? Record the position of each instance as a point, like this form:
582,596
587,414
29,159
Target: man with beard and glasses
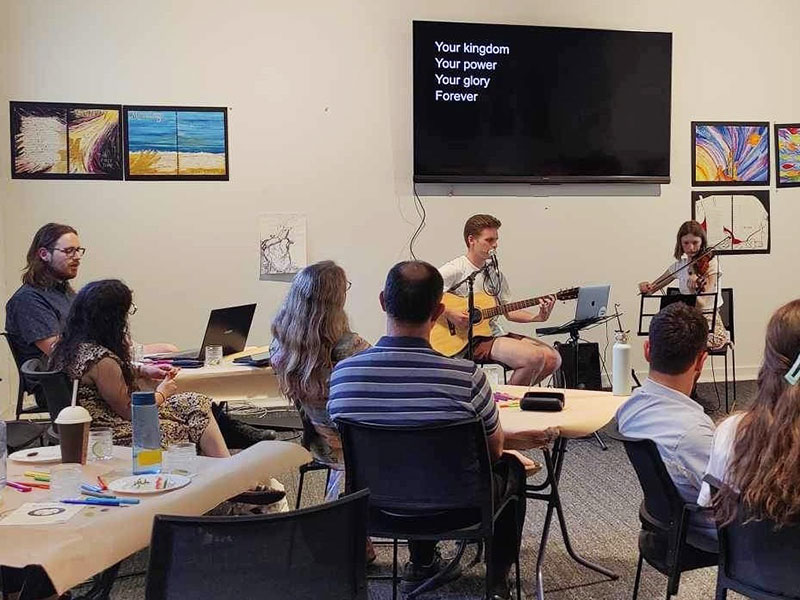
37,311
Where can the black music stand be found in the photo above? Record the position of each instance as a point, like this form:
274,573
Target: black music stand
669,298
573,328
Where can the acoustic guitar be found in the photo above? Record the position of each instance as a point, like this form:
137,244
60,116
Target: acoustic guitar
450,339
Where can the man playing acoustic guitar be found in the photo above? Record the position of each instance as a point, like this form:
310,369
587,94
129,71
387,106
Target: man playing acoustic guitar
529,358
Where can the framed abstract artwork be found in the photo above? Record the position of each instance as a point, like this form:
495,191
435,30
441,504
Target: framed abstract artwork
730,153
57,140
787,155
741,218
176,143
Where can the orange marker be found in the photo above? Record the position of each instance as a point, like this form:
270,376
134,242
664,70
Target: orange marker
43,486
102,483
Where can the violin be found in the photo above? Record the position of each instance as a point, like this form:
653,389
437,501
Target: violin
699,268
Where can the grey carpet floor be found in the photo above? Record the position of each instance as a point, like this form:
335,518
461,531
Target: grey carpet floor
601,498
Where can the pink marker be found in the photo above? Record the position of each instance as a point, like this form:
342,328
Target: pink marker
18,486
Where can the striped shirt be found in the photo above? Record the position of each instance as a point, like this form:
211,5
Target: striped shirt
403,381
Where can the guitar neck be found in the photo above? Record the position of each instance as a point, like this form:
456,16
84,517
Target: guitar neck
502,309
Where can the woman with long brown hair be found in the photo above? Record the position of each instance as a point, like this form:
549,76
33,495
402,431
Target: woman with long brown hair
756,453
690,243
310,334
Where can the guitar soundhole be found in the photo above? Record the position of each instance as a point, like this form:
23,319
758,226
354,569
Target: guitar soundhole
476,315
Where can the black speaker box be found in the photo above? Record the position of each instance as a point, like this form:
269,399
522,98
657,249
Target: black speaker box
588,368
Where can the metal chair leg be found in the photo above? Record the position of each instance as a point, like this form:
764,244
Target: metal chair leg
726,380
733,372
489,568
638,577
722,592
600,441
300,489
394,569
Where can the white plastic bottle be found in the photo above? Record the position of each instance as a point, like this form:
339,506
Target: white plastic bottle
621,365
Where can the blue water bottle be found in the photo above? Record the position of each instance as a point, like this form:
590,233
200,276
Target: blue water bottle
146,433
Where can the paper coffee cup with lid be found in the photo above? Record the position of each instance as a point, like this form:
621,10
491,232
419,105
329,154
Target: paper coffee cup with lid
73,428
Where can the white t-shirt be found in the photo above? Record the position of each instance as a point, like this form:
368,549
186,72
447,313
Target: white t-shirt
460,268
721,453
682,276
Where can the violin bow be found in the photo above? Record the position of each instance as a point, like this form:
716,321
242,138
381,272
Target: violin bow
658,283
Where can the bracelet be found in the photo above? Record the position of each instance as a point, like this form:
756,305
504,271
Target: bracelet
164,398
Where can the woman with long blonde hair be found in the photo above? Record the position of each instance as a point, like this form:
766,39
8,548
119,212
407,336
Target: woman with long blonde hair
310,334
756,453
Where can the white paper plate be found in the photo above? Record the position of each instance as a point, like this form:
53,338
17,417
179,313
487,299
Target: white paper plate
146,484
45,454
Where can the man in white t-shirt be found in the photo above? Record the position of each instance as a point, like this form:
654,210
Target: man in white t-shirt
532,360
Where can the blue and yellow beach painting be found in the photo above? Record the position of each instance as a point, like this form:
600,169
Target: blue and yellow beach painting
176,142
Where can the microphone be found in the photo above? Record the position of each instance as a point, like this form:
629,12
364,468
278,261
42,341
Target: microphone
493,258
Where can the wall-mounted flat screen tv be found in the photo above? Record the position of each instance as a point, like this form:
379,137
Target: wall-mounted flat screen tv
512,103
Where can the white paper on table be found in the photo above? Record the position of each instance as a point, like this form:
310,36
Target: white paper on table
41,513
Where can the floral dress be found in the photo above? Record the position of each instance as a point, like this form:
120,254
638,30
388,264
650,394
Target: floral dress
182,417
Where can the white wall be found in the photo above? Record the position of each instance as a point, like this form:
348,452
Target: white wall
320,123
5,363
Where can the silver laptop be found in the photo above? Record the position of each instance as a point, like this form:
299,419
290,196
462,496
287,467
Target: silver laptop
227,327
592,302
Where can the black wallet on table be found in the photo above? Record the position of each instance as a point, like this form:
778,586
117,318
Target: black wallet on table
542,400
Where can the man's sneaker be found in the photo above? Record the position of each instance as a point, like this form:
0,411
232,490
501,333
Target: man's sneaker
414,575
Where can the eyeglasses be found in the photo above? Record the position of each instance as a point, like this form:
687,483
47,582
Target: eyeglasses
133,309
79,252
349,285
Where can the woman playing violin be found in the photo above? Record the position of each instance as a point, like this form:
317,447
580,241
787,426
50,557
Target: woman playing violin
700,276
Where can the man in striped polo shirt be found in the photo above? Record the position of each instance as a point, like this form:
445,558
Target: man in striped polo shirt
403,371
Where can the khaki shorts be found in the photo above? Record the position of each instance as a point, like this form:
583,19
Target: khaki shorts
482,345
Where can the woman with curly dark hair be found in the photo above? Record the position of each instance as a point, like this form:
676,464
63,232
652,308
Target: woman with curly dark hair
756,453
95,348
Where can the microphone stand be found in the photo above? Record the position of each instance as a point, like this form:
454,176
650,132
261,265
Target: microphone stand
473,318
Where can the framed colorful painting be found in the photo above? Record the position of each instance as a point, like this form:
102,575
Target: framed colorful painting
176,143
787,155
57,140
730,153
739,219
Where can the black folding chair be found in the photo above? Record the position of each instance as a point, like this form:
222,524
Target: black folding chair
317,552
665,519
23,386
53,386
432,482
726,313
757,558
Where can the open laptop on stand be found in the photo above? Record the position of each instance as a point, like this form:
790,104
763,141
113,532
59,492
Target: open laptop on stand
227,327
592,308
592,303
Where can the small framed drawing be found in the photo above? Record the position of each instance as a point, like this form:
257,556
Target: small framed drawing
60,140
739,219
729,153
176,143
787,155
